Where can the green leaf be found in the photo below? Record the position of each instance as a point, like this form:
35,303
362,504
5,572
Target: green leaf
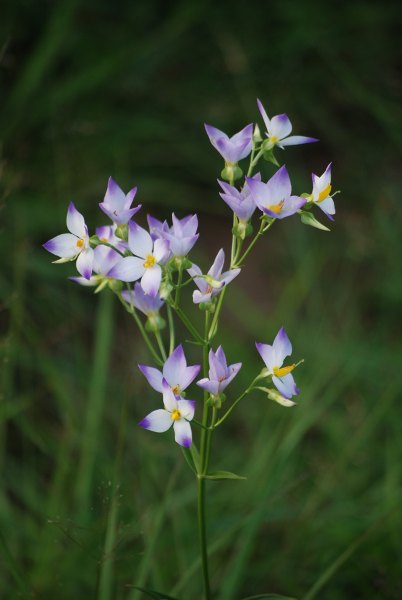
308,219
270,157
223,475
155,595
269,597
192,457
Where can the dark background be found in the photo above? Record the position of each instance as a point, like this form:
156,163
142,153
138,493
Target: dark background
89,504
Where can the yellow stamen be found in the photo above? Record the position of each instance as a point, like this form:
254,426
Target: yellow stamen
325,193
149,261
176,415
282,371
273,139
176,389
80,243
276,208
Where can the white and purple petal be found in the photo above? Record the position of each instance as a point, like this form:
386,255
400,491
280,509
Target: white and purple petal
158,420
295,140
267,354
85,262
169,399
282,347
76,222
286,385
139,240
63,245
182,433
186,408
151,280
129,268
280,126
153,376
174,367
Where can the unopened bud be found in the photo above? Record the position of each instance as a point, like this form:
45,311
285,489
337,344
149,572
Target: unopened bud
155,322
242,229
257,135
231,172
122,232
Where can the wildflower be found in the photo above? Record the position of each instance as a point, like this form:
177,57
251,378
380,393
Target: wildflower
148,305
241,202
182,235
231,149
274,197
157,229
73,245
145,264
116,204
213,283
105,259
273,357
175,371
321,194
279,128
220,375
177,412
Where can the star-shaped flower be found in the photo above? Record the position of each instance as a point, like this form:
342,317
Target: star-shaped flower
273,357
274,197
279,129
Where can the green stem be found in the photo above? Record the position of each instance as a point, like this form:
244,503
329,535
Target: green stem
204,459
254,161
161,347
131,310
236,402
171,328
188,324
263,228
178,287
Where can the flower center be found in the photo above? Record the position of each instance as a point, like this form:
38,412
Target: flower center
176,389
176,415
282,371
325,193
274,139
80,243
149,261
276,208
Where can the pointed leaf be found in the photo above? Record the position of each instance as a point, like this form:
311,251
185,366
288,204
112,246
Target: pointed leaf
223,475
155,595
270,157
308,219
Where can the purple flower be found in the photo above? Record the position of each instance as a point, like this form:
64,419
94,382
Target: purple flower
182,235
157,229
73,245
273,357
107,234
177,412
274,197
241,202
105,259
144,265
321,194
213,283
116,204
279,128
231,149
220,375
175,371
148,305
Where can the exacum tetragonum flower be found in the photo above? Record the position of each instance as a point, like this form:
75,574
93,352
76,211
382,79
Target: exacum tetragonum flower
73,245
148,305
231,149
182,235
274,197
279,128
213,283
175,371
321,194
220,375
273,357
241,202
107,235
117,205
105,259
145,264
177,412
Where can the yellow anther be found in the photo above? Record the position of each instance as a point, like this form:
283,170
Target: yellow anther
282,371
80,243
325,193
176,389
176,415
274,139
276,208
149,261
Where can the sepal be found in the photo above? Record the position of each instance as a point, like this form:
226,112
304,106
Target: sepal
276,396
308,219
155,323
231,173
122,232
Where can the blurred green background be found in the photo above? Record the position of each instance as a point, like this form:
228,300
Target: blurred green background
90,505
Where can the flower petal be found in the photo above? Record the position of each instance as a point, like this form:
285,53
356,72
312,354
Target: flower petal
217,266
84,263
182,433
151,280
63,245
327,206
153,376
286,385
280,126
158,420
161,250
267,121
186,408
295,140
174,367
169,399
279,186
188,376
76,222
282,347
139,240
129,268
210,386
267,354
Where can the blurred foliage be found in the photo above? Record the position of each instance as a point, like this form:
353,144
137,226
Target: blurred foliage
90,506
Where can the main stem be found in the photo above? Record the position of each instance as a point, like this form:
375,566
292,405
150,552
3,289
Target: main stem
203,469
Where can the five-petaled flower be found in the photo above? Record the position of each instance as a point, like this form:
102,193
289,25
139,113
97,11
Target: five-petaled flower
220,374
241,202
321,194
175,371
273,357
211,284
73,245
177,412
231,149
117,205
145,264
148,305
274,197
279,129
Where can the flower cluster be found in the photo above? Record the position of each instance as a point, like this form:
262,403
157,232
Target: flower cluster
146,268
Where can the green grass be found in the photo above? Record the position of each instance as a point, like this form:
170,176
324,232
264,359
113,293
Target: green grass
91,505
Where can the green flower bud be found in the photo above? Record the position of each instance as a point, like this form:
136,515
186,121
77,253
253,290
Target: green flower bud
155,322
242,230
231,172
257,135
122,232
115,285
